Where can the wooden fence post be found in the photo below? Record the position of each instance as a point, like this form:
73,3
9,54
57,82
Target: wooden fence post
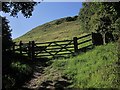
75,44
33,51
13,47
20,46
29,50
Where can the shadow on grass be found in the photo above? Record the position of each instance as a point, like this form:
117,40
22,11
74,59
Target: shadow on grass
85,49
20,72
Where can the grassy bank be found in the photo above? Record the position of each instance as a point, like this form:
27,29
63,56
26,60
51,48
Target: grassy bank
94,69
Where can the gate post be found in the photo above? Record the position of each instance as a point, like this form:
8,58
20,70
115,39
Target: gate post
29,50
20,46
13,47
75,44
33,51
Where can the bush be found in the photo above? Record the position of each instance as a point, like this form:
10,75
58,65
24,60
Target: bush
58,22
69,19
75,18
21,68
115,37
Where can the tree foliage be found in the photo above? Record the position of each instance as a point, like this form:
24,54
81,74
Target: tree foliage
13,8
6,35
85,14
100,17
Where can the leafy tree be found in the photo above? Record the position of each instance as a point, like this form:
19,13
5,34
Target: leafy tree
13,8
117,25
85,14
6,35
6,45
99,17
106,17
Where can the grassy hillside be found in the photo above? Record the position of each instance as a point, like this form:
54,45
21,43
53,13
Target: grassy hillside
94,69
56,30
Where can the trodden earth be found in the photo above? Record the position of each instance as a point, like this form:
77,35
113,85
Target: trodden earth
45,78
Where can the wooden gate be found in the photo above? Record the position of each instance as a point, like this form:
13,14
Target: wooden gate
55,49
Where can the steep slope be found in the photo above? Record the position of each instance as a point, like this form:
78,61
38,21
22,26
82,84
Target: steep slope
64,28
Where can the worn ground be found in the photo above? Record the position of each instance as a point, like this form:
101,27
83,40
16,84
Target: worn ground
45,78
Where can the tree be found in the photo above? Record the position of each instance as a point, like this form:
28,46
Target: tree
6,43
88,10
104,26
106,17
6,35
99,17
13,8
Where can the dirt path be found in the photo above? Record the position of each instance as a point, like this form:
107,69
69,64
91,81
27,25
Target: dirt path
45,78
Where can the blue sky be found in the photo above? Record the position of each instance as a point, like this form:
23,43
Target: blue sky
44,12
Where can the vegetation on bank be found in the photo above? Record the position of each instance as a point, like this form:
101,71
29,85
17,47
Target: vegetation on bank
97,68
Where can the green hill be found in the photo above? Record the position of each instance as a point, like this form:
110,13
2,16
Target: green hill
61,29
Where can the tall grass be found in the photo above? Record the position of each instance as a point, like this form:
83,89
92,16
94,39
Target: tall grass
94,69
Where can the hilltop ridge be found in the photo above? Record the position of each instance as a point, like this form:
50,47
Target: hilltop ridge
60,29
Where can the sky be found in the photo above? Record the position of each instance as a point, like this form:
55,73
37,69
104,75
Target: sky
43,13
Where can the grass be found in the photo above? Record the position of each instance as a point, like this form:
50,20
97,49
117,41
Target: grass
17,71
53,32
94,69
